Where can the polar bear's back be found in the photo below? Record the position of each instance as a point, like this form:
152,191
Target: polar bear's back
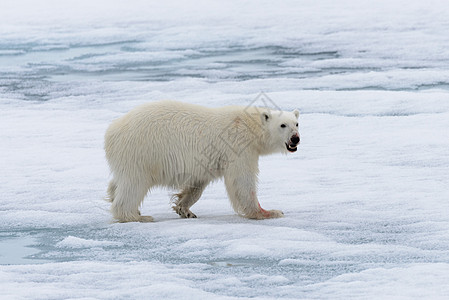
171,121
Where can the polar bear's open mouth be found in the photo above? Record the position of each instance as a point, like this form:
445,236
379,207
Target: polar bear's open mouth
291,147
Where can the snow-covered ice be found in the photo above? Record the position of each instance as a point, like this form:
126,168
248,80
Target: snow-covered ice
365,198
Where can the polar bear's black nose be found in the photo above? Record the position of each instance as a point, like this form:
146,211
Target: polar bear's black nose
295,139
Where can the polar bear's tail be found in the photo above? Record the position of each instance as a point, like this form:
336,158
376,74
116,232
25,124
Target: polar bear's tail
111,191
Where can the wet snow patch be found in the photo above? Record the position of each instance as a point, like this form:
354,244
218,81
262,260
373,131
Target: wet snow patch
18,251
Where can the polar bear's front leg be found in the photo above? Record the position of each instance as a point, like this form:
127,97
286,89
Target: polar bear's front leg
242,192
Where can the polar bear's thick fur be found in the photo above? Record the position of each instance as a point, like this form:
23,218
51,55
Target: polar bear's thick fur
185,146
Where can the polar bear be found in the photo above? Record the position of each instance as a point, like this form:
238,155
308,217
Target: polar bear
185,146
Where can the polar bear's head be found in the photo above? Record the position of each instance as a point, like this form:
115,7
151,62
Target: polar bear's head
283,130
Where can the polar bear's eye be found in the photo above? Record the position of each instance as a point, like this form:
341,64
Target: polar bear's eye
283,125
296,124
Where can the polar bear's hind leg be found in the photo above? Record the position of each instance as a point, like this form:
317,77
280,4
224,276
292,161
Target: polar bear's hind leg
111,191
186,198
128,198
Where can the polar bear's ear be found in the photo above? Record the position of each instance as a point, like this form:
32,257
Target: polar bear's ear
265,117
296,112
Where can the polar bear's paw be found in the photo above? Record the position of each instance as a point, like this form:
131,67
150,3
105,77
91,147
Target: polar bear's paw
275,214
133,218
146,219
266,214
184,212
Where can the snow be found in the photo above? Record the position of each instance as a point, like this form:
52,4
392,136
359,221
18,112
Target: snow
365,196
74,242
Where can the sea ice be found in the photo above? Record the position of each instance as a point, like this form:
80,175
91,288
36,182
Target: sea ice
365,197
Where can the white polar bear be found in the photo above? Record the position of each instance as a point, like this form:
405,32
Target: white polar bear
185,146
